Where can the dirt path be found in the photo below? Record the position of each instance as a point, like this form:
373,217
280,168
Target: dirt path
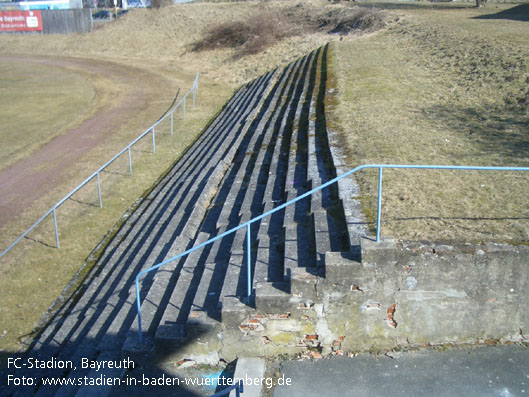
33,177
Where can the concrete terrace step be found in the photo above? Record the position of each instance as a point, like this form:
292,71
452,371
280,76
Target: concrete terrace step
268,145
235,281
134,244
198,210
102,306
329,201
156,299
107,319
246,191
112,337
178,306
267,181
205,295
235,290
295,185
270,260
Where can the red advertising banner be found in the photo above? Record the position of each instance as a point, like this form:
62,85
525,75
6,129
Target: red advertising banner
20,21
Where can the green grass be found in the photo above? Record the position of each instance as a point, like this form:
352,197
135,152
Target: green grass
440,87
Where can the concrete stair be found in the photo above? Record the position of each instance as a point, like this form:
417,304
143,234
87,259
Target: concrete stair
268,145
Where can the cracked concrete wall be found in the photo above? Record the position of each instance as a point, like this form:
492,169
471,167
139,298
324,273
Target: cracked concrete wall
409,294
436,293
401,294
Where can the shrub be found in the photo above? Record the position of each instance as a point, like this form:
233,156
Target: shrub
261,30
248,36
352,19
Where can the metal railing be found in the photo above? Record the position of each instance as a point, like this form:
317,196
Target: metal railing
280,207
182,102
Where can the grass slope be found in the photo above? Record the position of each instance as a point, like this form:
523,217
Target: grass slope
446,85
158,43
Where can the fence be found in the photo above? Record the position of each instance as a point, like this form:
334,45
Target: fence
67,21
192,91
280,207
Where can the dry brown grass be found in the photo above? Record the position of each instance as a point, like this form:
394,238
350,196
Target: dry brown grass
168,35
30,98
440,87
34,273
157,42
432,89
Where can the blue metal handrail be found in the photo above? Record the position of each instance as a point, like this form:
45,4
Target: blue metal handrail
310,192
151,129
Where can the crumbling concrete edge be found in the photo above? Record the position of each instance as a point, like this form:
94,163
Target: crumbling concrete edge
400,296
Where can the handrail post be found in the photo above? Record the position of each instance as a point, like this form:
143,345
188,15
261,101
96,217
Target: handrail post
130,162
56,229
379,207
249,260
138,306
296,199
192,90
195,91
99,191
